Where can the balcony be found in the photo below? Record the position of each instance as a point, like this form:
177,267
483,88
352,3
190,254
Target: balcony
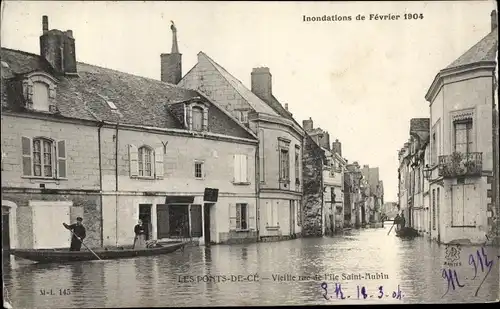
461,164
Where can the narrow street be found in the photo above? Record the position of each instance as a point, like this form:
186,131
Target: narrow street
413,269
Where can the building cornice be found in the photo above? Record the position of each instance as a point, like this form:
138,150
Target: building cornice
108,124
280,121
438,81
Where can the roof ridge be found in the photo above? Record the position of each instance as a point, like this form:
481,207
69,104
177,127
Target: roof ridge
21,51
98,67
453,65
130,74
218,67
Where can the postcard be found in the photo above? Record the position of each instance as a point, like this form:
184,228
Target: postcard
175,154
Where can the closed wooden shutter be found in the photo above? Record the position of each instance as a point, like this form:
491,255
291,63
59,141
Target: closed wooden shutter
251,217
61,159
159,171
27,156
232,216
237,170
244,168
133,160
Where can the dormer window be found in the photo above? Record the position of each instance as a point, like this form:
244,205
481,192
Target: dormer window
197,120
40,92
197,116
41,96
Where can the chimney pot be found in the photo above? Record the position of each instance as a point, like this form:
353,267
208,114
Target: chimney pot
69,33
494,21
262,83
286,106
45,24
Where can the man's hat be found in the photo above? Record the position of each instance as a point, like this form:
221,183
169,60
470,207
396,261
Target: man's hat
79,219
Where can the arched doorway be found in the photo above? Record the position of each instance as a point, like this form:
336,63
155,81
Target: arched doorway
9,226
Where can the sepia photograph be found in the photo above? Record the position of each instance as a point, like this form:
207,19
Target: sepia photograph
249,153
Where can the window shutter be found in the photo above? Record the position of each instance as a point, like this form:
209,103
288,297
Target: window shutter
205,119
27,156
61,159
237,171
232,216
159,171
251,217
133,160
238,216
244,168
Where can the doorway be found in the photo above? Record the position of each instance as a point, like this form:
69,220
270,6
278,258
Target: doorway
145,216
292,217
5,230
206,222
363,215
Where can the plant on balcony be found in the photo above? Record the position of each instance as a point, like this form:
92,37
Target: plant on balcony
457,164
471,166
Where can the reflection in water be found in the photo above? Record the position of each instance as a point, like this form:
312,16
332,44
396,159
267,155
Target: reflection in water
414,265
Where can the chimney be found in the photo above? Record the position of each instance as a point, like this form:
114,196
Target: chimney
262,84
45,24
494,20
307,124
58,48
325,140
286,106
337,147
171,64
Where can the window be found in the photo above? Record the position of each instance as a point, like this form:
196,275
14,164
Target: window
463,136
243,116
434,149
145,162
39,91
261,156
41,96
43,157
284,164
434,209
272,214
297,165
463,211
242,216
198,170
240,168
197,118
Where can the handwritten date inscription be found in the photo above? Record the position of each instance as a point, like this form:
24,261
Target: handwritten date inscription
360,293
482,266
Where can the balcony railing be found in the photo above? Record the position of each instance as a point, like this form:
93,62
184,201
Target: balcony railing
461,164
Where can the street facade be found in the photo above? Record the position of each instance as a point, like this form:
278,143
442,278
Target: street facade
448,173
110,147
203,187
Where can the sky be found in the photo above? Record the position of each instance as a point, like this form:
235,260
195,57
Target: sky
360,80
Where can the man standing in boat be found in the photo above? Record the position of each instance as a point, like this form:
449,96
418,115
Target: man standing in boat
79,234
397,221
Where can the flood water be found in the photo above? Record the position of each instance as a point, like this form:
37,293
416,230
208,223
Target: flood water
410,271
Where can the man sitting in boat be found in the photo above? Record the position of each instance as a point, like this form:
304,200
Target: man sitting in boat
79,233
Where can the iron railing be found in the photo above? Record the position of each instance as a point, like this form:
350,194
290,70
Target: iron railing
460,164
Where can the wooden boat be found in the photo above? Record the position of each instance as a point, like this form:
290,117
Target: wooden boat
406,232
64,255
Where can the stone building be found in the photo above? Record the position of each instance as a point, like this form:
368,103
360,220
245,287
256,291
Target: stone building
414,187
464,145
355,214
281,146
111,147
374,192
333,193
332,180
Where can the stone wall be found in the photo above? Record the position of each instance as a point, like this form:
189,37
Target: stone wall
312,173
